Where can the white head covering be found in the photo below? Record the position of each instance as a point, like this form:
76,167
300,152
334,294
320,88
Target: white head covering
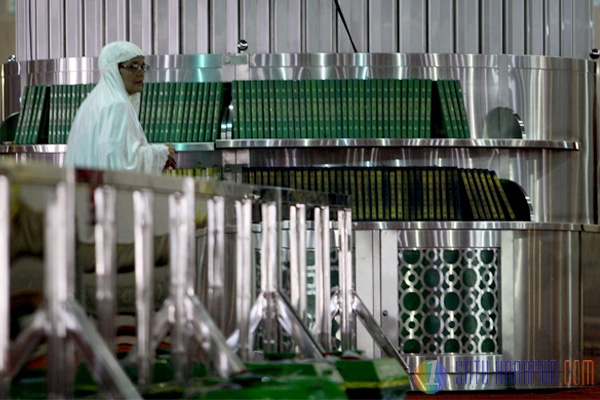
106,132
108,62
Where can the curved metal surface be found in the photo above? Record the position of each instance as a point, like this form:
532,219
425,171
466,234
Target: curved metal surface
553,96
476,143
559,184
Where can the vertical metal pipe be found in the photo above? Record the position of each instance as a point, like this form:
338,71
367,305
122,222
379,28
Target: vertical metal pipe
268,272
4,283
293,256
347,316
298,260
244,284
181,224
144,299
301,226
215,266
244,298
322,328
60,374
326,276
106,261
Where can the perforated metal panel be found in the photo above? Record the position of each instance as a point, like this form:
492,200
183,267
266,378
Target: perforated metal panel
448,301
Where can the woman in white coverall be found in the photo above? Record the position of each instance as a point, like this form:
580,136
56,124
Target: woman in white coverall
106,132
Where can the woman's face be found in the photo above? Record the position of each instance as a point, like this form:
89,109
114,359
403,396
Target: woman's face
133,71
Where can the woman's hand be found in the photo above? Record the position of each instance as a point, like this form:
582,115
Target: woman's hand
171,162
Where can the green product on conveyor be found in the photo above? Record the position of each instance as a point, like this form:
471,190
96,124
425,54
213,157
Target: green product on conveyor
380,378
274,388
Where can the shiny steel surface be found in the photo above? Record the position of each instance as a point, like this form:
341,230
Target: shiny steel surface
558,182
105,234
244,283
143,223
590,268
346,280
215,303
52,29
297,259
556,150
436,143
322,328
60,319
182,314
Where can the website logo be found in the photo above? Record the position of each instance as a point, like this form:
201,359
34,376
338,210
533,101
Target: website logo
430,376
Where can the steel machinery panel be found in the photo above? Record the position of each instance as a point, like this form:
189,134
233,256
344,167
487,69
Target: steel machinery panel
115,20
413,26
355,14
491,27
167,25
253,26
534,33
583,22
286,21
467,32
141,25
73,26
537,27
552,28
224,26
366,263
195,26
319,26
590,254
546,307
93,15
440,26
54,24
383,31
568,23
514,27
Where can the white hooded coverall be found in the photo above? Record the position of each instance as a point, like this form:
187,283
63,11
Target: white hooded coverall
106,132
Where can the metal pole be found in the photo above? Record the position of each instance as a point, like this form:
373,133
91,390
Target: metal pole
61,368
106,261
144,298
244,267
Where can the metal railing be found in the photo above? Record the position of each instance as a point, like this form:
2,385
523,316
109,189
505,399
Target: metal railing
195,322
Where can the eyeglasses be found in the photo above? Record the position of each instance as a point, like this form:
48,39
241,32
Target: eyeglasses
135,67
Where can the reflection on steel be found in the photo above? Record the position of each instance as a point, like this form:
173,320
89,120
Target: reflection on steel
347,302
144,296
386,345
242,338
318,143
60,319
342,301
322,327
106,262
215,268
271,309
268,276
182,314
298,260
4,283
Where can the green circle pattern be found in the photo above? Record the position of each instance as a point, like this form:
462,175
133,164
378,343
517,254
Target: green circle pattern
443,290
